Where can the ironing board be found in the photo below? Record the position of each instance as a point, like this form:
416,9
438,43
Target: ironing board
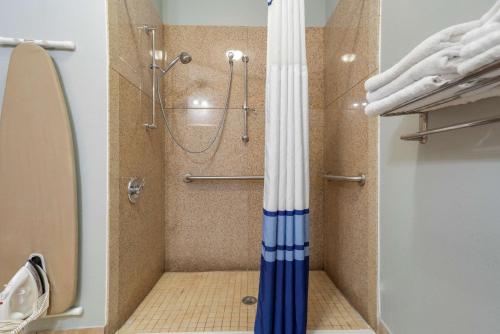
38,191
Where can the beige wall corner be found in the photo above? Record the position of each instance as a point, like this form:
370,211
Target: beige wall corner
351,147
135,263
382,328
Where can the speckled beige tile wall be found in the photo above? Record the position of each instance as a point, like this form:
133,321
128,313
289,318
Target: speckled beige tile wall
217,225
350,217
136,232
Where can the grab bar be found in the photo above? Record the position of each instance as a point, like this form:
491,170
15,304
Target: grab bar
190,178
361,178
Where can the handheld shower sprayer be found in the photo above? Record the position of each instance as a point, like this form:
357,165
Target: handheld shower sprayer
183,57
230,57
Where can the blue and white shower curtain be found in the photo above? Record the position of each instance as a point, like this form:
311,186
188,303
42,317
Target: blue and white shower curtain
282,306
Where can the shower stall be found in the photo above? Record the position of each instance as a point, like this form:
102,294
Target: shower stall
187,120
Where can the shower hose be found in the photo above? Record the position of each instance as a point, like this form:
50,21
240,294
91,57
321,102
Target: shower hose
220,127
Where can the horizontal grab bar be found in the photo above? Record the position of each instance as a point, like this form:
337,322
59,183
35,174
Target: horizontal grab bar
361,179
188,178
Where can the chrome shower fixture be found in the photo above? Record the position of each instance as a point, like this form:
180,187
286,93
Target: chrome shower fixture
230,56
183,57
245,138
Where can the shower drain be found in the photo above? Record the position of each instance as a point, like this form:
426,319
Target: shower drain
249,300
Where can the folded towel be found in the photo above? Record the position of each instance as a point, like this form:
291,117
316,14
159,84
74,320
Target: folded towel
444,39
443,63
479,32
493,14
480,45
489,23
419,88
479,61
447,98
439,41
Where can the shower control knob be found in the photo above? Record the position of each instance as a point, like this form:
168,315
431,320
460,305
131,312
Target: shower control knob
135,187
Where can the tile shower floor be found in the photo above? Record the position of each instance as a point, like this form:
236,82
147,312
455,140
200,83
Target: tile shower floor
211,302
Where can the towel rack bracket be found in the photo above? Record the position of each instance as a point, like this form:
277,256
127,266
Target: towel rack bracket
423,125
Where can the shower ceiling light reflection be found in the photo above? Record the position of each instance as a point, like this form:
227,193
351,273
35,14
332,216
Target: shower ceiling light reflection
200,103
348,57
356,105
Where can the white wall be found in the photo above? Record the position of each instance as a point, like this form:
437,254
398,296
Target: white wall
439,202
236,12
159,5
84,77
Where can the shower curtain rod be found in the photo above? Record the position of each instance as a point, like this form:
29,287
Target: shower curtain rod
53,45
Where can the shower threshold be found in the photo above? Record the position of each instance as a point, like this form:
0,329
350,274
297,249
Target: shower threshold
211,302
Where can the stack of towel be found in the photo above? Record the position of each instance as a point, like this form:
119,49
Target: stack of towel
445,56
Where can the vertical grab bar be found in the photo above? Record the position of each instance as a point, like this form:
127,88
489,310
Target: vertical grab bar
245,137
152,32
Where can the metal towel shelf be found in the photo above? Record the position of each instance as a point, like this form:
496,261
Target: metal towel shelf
188,178
479,79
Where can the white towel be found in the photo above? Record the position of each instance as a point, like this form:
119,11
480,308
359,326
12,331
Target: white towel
478,33
468,97
480,45
489,23
419,88
493,14
443,63
444,39
479,61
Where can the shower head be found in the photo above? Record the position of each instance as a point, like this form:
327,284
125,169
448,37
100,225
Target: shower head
184,58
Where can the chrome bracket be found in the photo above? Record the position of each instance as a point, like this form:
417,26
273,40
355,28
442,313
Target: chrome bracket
147,28
135,187
423,125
